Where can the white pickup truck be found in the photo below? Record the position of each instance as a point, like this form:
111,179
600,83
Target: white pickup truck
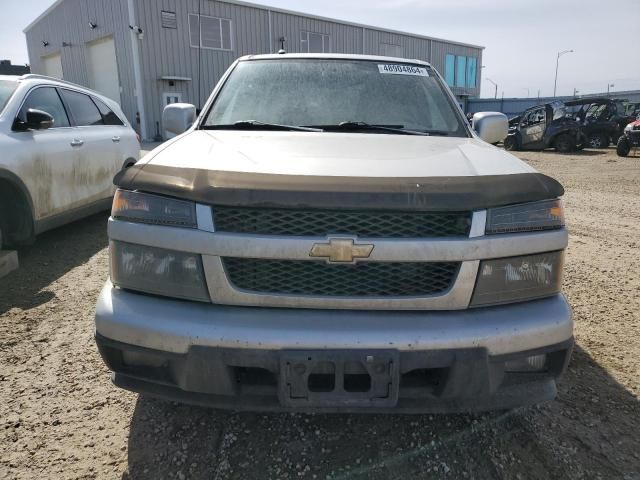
331,235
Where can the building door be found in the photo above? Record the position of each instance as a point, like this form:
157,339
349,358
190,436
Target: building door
52,65
103,68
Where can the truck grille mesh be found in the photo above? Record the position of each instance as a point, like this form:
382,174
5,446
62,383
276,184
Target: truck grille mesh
363,223
300,277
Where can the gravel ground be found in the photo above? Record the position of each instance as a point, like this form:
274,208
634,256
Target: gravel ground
60,417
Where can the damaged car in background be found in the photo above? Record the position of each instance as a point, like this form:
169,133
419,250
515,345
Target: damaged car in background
545,126
630,138
602,120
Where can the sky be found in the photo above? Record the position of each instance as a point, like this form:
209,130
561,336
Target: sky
522,37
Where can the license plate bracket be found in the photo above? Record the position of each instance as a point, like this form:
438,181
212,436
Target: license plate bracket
338,378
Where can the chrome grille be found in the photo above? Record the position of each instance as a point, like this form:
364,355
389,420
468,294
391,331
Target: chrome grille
367,279
362,223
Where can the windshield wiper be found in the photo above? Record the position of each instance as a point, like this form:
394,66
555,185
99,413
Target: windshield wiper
256,125
363,126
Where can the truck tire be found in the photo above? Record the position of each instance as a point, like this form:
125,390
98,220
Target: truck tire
598,140
510,143
564,143
624,147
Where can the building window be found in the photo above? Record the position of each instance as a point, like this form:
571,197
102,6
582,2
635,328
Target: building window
314,42
171,97
168,19
461,71
390,50
450,70
472,66
209,32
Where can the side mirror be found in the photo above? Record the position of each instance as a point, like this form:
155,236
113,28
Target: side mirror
38,120
177,118
492,127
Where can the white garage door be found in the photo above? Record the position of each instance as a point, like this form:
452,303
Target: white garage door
103,68
52,65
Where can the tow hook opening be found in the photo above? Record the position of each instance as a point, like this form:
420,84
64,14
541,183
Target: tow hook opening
357,382
322,378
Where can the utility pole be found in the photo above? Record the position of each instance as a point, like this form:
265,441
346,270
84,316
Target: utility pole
495,95
575,91
609,85
555,83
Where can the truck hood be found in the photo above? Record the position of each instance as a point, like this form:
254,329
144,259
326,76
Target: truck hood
336,154
337,170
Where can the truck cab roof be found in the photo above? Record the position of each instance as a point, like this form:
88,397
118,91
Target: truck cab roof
333,56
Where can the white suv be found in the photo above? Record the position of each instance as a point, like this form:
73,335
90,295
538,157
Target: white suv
61,146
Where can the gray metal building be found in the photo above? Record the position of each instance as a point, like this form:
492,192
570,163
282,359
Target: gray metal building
148,53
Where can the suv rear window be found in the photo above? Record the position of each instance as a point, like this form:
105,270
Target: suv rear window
83,110
108,115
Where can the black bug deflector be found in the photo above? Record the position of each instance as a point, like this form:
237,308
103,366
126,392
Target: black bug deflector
456,193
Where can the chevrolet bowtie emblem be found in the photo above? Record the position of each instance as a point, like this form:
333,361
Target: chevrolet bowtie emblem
343,250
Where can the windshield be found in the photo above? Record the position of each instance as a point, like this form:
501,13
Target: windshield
559,110
7,87
327,92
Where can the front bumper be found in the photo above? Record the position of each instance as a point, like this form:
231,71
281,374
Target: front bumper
634,137
234,357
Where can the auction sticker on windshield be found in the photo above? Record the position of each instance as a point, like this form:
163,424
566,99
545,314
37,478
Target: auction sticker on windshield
403,70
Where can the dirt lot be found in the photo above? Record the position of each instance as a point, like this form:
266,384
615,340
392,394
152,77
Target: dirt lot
60,417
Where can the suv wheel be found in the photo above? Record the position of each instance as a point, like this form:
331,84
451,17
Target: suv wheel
564,143
598,140
510,143
624,147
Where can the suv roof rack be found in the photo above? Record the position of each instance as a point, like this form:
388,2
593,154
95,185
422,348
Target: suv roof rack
36,76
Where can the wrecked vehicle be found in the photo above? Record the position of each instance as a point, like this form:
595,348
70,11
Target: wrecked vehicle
61,146
630,138
514,121
632,110
602,120
545,126
331,235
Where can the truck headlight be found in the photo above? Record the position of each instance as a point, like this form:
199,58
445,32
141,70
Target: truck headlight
514,279
158,271
525,217
147,208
